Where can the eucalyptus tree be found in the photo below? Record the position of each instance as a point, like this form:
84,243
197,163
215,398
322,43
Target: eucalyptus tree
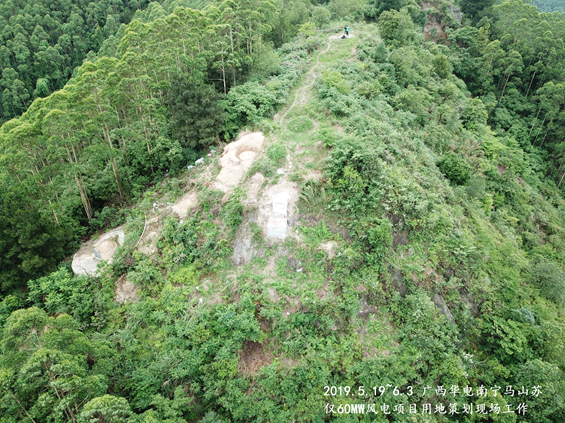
49,369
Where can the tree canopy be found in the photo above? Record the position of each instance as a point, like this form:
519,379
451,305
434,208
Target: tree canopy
42,42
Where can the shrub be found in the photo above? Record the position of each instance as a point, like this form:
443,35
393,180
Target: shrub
396,28
63,292
442,66
7,306
549,405
145,273
354,168
233,209
474,113
321,16
333,79
266,61
550,280
247,103
368,89
185,275
380,240
457,170
374,8
276,152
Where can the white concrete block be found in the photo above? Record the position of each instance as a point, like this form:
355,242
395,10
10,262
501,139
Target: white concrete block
280,204
276,227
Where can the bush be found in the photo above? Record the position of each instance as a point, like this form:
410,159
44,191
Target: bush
474,113
457,170
396,28
549,405
247,103
366,50
442,66
63,292
7,306
374,8
333,79
550,280
185,275
266,61
380,240
233,209
353,168
321,16
146,273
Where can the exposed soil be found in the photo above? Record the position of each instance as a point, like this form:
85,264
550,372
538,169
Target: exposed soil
329,247
125,291
254,186
253,356
148,242
183,204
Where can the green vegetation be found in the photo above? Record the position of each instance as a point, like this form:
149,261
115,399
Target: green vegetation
124,122
548,6
197,115
425,244
43,41
300,124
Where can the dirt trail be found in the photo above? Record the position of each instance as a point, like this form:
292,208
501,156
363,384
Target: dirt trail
311,73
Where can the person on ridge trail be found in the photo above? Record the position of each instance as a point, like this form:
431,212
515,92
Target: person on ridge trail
347,31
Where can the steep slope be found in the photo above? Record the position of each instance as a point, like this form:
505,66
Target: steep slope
416,266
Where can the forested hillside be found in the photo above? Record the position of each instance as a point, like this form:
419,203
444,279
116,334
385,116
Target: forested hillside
421,267
42,41
107,135
548,6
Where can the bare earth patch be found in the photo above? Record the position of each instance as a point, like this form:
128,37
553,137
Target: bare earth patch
254,186
253,356
183,204
125,291
148,243
329,247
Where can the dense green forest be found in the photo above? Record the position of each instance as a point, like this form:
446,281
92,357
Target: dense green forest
41,42
426,249
548,6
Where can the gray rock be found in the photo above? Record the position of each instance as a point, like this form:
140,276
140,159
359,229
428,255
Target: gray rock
440,303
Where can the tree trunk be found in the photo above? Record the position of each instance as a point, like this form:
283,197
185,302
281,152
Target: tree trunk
533,124
538,131
84,198
544,137
504,89
117,176
106,132
530,86
223,68
25,411
561,180
54,214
